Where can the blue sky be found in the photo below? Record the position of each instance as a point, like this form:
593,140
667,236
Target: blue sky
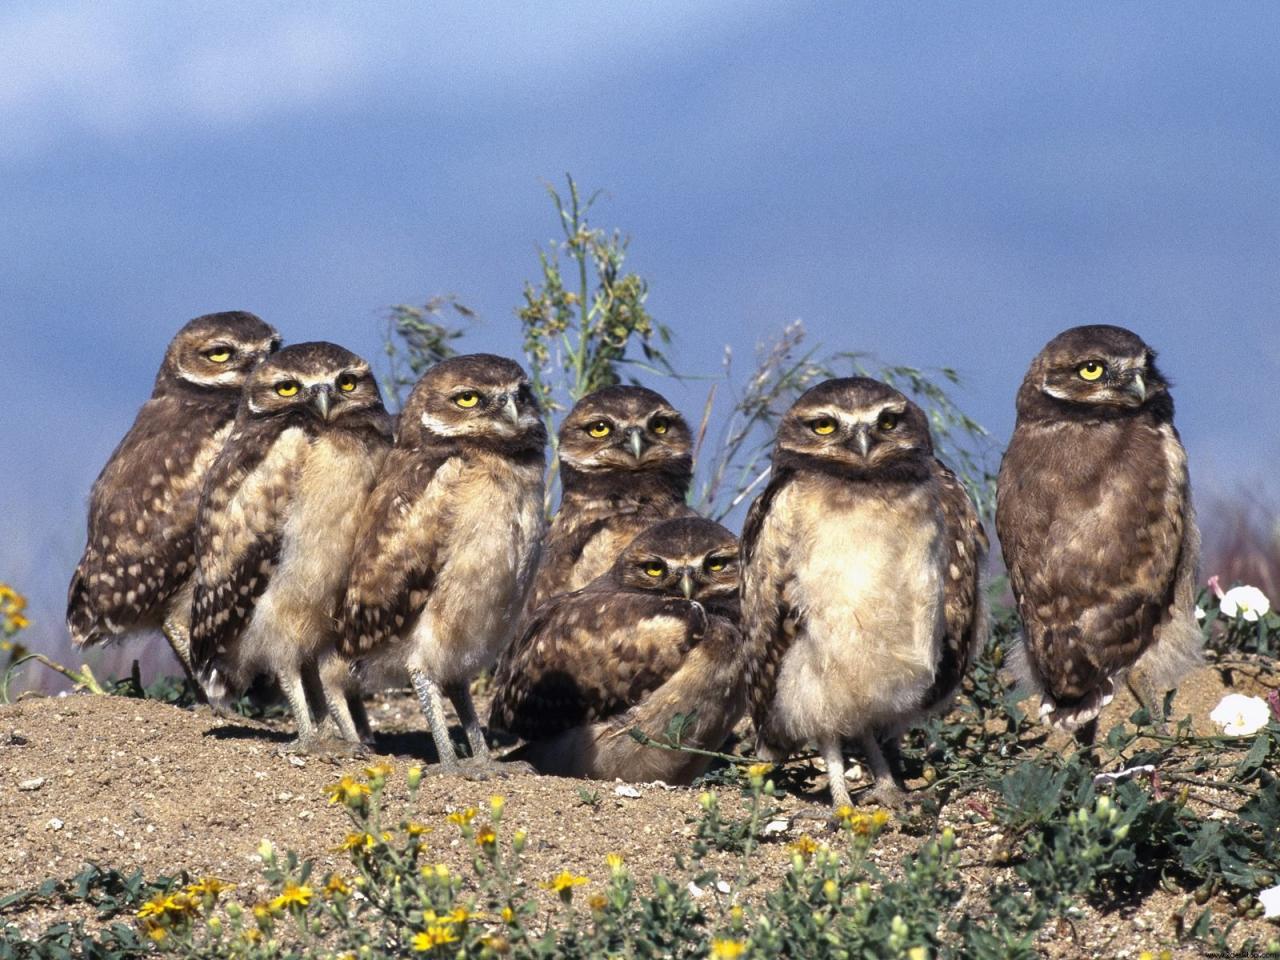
937,184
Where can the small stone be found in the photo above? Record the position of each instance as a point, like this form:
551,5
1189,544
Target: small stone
776,826
723,886
35,783
696,891
853,772
53,824
626,790
297,761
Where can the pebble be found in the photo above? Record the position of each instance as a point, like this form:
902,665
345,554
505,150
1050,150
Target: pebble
53,824
776,826
33,784
626,790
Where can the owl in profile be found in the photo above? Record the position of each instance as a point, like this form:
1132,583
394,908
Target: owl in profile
626,463
449,540
138,563
277,528
653,638
1093,510
861,594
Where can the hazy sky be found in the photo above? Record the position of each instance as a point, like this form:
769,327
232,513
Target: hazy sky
940,185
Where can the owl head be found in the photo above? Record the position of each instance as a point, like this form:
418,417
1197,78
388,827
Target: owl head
477,398
625,429
688,557
856,427
314,381
217,351
1098,369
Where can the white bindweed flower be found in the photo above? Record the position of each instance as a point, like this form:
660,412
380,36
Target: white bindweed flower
1199,613
1248,602
1239,716
1270,900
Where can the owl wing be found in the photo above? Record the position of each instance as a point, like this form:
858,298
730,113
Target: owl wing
398,549
1092,534
142,517
238,535
964,602
769,624
589,656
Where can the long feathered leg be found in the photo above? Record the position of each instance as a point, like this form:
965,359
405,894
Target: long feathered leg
834,757
432,703
888,789
295,692
460,695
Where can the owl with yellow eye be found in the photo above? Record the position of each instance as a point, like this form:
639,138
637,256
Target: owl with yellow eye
276,531
448,542
862,603
139,559
625,463
1095,520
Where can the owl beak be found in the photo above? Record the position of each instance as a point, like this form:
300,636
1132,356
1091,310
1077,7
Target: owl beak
686,583
864,441
509,408
322,398
1138,387
635,441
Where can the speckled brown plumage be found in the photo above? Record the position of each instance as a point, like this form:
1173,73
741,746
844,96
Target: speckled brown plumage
277,525
654,637
140,553
614,486
1094,518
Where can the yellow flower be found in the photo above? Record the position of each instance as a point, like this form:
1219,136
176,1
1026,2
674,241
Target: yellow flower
508,915
804,845
726,949
486,837
758,771
918,953
349,791
459,915
363,842
335,886
565,880
598,902
614,860
496,806
209,886
463,818
378,771
156,932
292,896
413,776
18,622
415,829
439,871
434,936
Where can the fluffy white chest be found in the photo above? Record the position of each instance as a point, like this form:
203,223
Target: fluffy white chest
866,583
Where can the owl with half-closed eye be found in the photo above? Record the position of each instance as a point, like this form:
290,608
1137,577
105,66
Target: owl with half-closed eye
277,529
1095,519
653,640
861,594
625,458
448,540
138,562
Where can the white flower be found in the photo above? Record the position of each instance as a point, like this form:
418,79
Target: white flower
1248,602
1270,900
1199,613
1239,715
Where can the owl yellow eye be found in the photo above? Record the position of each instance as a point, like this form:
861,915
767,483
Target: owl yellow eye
287,388
600,429
823,426
658,425
219,355
347,382
655,569
1090,371
716,564
887,421
467,399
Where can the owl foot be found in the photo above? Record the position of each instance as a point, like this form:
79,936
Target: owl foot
319,745
885,793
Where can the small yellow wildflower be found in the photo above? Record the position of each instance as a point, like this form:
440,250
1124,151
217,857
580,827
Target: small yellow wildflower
439,871
598,902
210,887
413,777
726,949
615,861
496,806
292,895
758,771
563,881
415,829
349,791
486,838
335,886
435,935
918,953
804,845
363,842
508,915
459,915
463,818
378,771
156,932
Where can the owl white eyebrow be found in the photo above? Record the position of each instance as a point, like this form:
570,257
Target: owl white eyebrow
436,425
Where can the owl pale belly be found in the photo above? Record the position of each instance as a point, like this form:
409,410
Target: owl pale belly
869,594
298,605
498,528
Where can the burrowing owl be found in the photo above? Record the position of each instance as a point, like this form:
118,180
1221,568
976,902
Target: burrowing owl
625,464
449,539
140,556
278,522
1095,520
861,595
653,638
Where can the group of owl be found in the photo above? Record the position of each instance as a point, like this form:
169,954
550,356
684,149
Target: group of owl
269,515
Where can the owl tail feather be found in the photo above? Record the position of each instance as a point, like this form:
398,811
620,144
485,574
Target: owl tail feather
1061,716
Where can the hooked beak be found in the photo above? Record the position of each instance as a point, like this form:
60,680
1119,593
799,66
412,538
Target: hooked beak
686,583
1137,387
864,441
635,441
322,398
509,408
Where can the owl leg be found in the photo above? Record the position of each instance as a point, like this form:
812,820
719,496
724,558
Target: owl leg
360,716
432,703
179,636
460,695
888,789
834,757
1144,691
295,692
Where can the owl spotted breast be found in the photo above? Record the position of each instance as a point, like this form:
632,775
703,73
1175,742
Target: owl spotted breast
654,638
1095,520
140,555
625,464
277,528
861,595
449,539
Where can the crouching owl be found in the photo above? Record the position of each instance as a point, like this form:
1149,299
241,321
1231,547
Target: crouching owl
861,595
1093,510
